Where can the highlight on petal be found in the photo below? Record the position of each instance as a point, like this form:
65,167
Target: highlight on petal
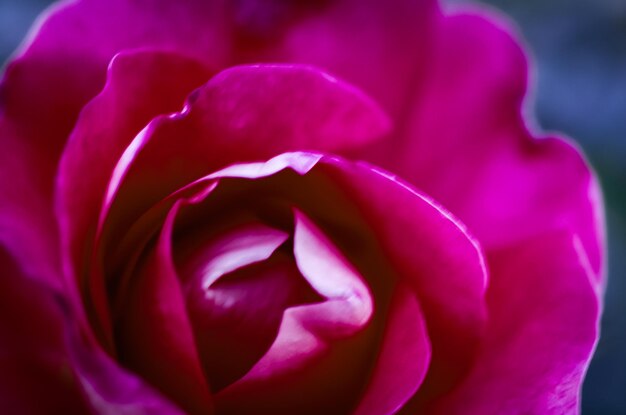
310,352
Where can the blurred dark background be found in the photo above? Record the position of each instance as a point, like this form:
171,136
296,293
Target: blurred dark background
579,49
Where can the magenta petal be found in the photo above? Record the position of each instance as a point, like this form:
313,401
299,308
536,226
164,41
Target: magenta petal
380,47
319,357
156,338
27,225
542,330
431,252
403,359
233,120
111,389
468,145
237,287
306,329
140,85
36,376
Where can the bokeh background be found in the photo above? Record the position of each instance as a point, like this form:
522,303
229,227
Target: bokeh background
579,51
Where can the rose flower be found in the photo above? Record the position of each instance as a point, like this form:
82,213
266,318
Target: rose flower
284,207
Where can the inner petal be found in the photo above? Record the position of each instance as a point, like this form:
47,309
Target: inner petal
237,288
319,358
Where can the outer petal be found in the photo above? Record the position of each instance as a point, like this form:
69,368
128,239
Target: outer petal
36,377
61,67
381,47
467,145
27,226
432,252
140,86
542,331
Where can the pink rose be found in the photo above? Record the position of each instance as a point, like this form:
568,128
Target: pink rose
197,216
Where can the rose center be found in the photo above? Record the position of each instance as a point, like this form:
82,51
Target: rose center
237,288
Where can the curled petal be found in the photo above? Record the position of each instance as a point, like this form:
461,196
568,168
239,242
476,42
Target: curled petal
230,120
433,253
156,338
140,85
308,349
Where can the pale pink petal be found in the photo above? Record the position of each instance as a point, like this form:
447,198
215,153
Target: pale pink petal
230,251
403,360
319,346
542,330
237,287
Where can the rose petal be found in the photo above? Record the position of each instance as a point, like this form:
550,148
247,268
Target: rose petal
61,66
236,295
140,86
349,304
425,245
33,355
468,145
432,252
230,251
380,47
403,360
111,389
542,330
318,346
233,120
27,227
155,338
